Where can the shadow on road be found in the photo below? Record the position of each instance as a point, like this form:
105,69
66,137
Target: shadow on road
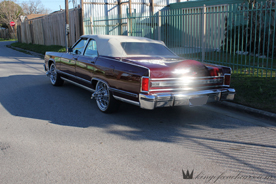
34,97
200,129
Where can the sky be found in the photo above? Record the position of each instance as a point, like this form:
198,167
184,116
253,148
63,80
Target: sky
53,5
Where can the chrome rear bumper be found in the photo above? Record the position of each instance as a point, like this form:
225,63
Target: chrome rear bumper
194,98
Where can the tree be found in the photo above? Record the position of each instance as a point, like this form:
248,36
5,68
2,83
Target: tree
9,11
34,7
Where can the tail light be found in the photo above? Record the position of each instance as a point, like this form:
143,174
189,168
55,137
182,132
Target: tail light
145,84
214,72
227,79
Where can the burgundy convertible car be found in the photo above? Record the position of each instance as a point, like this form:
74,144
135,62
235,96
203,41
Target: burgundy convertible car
139,71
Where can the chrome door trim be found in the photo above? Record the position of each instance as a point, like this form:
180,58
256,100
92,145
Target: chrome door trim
77,84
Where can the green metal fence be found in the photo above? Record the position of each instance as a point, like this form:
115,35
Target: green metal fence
241,36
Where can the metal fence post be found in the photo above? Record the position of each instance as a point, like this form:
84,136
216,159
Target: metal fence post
128,26
92,25
159,25
203,32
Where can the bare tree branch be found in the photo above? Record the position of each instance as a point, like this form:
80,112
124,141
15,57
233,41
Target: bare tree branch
34,7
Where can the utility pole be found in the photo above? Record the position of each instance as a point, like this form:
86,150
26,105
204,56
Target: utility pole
152,7
120,17
130,15
66,25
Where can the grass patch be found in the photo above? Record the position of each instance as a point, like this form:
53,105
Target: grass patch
2,39
24,51
240,64
256,92
39,48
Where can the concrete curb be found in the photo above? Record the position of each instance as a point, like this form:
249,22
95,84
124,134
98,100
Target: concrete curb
250,110
31,52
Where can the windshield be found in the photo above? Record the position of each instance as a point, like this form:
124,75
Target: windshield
138,48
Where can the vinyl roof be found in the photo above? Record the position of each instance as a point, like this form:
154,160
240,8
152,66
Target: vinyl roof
110,45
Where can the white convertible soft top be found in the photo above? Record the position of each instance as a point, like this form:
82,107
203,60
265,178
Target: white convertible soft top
110,45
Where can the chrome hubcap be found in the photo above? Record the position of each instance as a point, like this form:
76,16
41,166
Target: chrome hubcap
53,74
102,96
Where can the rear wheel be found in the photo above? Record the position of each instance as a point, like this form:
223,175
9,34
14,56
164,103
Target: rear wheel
54,76
105,101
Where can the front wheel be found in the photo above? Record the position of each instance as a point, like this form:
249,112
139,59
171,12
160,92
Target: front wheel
54,76
105,101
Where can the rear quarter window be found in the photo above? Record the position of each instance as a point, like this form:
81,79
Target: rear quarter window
138,48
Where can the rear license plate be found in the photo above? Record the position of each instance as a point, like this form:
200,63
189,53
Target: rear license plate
198,101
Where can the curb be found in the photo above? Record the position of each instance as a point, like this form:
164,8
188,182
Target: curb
250,110
31,52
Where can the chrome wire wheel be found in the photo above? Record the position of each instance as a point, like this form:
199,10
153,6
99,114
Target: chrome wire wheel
53,74
103,96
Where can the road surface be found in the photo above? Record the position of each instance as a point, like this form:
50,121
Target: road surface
57,135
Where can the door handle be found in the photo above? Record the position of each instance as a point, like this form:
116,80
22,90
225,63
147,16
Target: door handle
93,61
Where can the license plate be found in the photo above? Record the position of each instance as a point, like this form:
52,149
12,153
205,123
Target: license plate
198,101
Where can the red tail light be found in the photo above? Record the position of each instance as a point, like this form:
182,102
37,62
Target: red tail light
145,84
214,72
227,79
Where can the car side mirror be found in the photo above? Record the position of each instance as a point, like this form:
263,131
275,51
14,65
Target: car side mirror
70,49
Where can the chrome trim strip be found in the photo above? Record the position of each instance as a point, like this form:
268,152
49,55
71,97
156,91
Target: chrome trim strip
181,83
193,78
184,89
195,93
124,92
77,84
126,100
78,78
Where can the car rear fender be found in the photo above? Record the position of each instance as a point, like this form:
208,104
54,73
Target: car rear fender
94,82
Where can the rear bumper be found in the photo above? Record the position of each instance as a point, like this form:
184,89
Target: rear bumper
194,98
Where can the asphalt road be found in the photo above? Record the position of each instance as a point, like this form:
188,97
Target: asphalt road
57,135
